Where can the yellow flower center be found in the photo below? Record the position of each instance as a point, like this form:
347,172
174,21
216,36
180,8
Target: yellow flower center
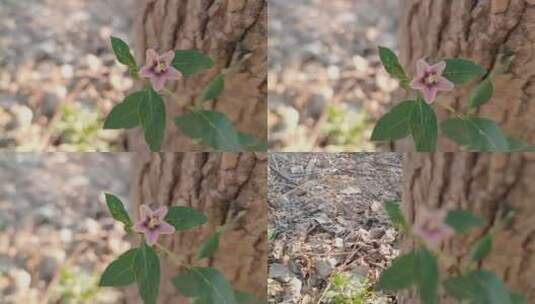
160,67
431,79
153,222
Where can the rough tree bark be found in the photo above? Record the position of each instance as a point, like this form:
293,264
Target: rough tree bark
220,185
477,30
229,31
484,184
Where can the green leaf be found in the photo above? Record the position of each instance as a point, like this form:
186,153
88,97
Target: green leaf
147,271
423,126
120,272
427,276
462,221
272,234
394,125
152,117
245,298
516,145
517,298
206,284
191,62
396,216
482,248
491,286
117,210
209,246
478,287
214,88
490,138
461,71
191,285
481,94
212,128
459,130
250,143
125,115
400,275
461,288
392,65
122,52
183,218
476,134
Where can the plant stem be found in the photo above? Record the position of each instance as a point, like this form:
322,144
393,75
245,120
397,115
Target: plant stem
447,107
169,92
198,104
230,225
237,65
173,95
173,257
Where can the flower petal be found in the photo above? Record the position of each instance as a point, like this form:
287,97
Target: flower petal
444,84
144,212
165,228
417,84
167,57
421,68
429,93
158,82
448,231
433,242
160,213
146,71
438,67
140,226
151,236
172,73
151,57
419,231
431,226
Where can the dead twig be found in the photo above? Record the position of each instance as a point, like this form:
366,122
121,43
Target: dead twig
283,176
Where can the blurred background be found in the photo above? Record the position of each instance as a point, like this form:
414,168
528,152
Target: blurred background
56,235
326,84
58,77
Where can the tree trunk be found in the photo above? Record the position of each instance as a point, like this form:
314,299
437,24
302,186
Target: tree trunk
485,184
482,183
229,31
220,185
477,30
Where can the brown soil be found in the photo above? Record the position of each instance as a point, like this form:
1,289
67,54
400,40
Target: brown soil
326,216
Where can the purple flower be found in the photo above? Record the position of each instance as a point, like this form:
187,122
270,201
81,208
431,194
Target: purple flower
158,69
152,224
429,80
431,227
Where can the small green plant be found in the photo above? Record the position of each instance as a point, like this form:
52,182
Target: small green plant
272,234
416,117
79,129
75,286
345,289
346,128
141,264
419,268
146,108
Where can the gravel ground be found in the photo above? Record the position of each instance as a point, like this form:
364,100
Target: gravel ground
326,218
326,84
56,235
58,77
